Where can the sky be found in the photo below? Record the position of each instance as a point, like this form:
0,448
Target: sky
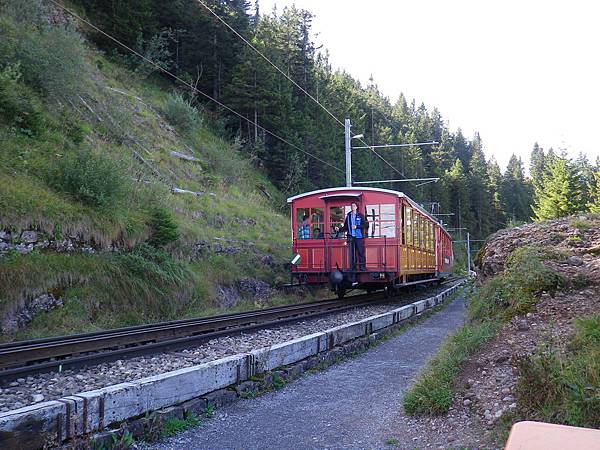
518,72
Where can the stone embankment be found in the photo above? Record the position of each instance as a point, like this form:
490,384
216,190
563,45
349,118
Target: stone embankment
29,240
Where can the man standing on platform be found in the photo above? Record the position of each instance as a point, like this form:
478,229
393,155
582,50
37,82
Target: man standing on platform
356,228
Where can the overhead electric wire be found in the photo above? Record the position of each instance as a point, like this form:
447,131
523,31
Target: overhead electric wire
162,69
308,94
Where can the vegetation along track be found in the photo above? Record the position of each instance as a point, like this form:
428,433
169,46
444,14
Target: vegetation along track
22,358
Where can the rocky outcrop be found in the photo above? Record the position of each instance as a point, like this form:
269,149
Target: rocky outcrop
577,238
18,319
29,240
249,288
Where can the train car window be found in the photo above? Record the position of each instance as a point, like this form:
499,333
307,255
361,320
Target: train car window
336,221
388,220
417,230
317,219
382,220
303,230
372,215
402,222
409,226
430,234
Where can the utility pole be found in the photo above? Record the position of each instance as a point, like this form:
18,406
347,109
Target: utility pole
348,145
468,254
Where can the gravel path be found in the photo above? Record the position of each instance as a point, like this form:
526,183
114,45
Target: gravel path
35,389
352,405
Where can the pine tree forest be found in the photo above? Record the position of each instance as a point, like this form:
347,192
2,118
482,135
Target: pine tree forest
190,42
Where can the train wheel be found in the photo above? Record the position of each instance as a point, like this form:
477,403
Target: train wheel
389,291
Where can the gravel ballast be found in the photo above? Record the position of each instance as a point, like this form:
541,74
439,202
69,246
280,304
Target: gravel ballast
44,387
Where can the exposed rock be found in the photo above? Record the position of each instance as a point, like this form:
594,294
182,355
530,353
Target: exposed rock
575,261
267,260
228,296
23,249
29,237
522,325
30,308
5,236
184,156
255,288
560,235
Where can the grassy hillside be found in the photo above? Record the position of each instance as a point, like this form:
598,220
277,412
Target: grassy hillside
86,161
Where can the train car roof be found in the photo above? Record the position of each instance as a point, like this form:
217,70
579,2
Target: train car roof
369,189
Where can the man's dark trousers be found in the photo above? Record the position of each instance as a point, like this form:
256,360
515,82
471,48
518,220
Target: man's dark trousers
356,248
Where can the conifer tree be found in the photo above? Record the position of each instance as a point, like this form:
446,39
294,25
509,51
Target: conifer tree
594,189
515,191
456,182
537,165
498,216
480,197
559,194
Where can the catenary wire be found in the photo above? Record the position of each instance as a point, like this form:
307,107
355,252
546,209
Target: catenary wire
162,69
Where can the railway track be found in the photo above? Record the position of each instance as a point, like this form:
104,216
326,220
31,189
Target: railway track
24,358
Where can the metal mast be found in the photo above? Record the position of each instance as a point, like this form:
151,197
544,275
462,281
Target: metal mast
348,146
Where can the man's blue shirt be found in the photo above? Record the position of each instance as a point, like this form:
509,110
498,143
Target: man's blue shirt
355,220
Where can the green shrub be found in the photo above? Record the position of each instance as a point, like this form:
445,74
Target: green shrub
581,224
52,57
564,387
164,228
513,291
156,49
19,109
180,113
94,179
433,392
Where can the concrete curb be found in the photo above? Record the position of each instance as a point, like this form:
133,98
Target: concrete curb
54,422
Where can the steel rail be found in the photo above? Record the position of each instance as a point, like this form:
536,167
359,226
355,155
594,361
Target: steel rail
22,358
61,353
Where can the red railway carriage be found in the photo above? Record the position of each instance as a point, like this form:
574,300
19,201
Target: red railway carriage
404,245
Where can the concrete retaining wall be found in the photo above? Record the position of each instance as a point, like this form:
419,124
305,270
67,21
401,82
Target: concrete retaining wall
53,422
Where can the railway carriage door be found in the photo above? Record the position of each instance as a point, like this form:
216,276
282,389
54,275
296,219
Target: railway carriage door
337,248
